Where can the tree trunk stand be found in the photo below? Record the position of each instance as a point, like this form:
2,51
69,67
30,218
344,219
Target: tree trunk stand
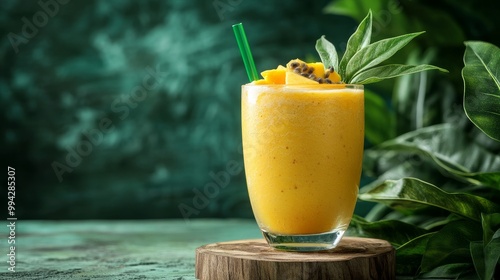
353,258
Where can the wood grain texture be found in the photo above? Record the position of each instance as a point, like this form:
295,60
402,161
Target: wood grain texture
354,258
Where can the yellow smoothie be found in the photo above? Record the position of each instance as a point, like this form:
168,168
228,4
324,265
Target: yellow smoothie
303,149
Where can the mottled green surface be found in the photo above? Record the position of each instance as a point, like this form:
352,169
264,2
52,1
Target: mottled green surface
139,249
84,66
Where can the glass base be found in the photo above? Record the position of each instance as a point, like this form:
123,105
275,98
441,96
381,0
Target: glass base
305,242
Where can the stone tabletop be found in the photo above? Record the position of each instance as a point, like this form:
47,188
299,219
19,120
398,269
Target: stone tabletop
139,249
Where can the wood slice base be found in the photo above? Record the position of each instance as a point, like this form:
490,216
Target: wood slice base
354,258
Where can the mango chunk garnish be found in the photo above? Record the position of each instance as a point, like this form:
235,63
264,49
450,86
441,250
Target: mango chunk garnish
297,72
296,79
335,77
275,76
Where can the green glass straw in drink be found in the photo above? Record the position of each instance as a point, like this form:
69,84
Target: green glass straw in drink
246,54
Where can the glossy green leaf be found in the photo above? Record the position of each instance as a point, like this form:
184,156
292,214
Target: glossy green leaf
451,271
481,77
391,165
413,194
491,255
451,244
477,253
327,53
377,74
486,253
376,53
491,224
409,255
379,120
360,55
396,232
451,150
358,40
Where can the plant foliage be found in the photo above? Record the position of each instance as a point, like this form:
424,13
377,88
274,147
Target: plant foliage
436,179
359,65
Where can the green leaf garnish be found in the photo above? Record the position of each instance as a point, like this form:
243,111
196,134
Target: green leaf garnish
358,40
327,53
482,86
376,53
383,72
358,64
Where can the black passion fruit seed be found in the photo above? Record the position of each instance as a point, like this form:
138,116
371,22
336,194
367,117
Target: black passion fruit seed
307,71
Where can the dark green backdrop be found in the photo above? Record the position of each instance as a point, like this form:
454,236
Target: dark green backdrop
130,109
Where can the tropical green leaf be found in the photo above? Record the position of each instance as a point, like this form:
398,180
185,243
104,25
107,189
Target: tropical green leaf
379,120
485,253
409,255
327,53
451,245
485,258
451,150
491,224
481,77
376,53
478,258
358,40
392,165
377,74
414,194
451,271
396,232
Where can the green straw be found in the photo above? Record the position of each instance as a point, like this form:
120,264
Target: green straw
246,54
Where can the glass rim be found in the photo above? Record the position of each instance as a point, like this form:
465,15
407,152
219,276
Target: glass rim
308,86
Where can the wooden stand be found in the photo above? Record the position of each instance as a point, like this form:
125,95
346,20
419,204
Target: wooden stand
354,258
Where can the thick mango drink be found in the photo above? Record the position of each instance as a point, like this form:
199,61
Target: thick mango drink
303,131
303,148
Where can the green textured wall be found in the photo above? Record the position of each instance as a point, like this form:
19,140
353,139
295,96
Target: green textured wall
123,109
130,109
